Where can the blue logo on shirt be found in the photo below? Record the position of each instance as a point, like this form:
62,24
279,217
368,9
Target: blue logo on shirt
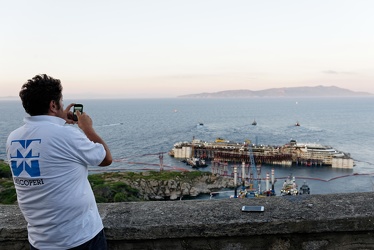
25,159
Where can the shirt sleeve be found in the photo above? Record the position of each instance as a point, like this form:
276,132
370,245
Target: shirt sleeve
85,150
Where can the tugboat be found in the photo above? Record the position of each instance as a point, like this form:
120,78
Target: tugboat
304,189
289,187
196,162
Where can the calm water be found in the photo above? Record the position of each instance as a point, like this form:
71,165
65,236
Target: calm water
137,130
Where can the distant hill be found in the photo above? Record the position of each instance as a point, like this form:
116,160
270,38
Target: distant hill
9,97
318,91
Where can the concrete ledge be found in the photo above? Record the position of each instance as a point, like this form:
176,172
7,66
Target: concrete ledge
344,221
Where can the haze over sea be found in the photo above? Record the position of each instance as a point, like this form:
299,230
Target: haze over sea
137,130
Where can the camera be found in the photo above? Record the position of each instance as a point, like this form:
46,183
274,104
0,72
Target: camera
75,108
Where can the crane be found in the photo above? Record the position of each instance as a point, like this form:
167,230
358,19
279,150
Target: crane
253,167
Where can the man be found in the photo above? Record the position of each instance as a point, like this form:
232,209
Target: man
49,161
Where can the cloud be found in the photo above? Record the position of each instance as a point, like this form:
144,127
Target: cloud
330,72
337,72
210,76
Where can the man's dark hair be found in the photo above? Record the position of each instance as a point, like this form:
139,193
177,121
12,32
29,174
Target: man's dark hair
36,94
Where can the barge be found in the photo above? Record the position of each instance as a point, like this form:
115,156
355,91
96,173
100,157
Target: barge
292,153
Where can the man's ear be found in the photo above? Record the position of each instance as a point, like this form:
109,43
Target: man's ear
53,107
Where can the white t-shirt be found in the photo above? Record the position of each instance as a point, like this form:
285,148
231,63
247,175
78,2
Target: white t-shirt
49,162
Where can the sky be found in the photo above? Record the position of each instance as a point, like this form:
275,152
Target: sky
168,48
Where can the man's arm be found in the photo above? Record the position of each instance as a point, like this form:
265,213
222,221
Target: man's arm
85,123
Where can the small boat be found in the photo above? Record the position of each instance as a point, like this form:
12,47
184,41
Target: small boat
297,124
254,123
196,162
242,192
304,189
289,187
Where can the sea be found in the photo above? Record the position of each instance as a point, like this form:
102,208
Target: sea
141,132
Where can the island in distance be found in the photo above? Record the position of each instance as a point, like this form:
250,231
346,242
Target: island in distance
318,91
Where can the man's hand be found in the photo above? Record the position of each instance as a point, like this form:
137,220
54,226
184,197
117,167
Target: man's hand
84,121
68,115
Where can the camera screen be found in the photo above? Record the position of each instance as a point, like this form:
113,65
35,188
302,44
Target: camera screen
77,108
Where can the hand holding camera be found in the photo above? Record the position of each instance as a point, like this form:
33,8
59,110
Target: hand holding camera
83,120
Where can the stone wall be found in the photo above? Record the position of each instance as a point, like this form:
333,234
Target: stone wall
335,221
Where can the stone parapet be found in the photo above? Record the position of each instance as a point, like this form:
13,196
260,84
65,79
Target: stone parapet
334,221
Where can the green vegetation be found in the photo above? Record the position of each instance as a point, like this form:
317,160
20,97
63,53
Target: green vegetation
7,191
5,170
107,187
108,191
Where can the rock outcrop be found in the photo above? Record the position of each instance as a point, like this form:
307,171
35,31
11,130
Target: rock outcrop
178,188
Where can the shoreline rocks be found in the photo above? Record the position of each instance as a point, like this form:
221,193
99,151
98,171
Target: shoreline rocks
178,188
